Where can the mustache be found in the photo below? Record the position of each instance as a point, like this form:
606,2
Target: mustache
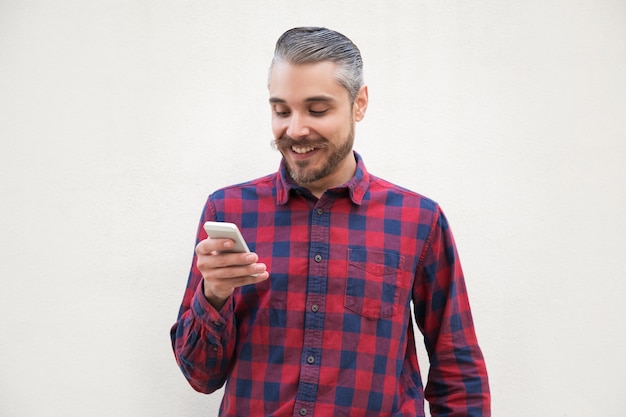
286,141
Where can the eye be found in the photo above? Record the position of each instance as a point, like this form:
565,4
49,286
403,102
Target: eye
281,111
317,112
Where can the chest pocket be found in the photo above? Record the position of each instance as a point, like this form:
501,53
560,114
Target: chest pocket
372,286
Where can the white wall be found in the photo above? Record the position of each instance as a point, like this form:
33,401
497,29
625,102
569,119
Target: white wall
117,118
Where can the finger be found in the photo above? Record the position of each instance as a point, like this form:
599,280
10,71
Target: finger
240,280
208,246
230,272
225,286
218,290
218,260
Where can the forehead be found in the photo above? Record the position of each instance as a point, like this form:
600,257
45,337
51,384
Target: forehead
294,83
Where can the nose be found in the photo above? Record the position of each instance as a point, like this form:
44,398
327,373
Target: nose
297,126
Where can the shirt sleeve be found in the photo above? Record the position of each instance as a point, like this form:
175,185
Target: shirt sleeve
203,338
457,383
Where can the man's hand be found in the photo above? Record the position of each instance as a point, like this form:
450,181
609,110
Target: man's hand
223,272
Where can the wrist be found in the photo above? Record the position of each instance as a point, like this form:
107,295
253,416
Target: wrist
216,300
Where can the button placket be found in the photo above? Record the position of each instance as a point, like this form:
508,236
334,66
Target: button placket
314,318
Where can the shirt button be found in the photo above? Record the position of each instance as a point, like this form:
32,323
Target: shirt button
310,360
318,258
320,211
303,411
315,308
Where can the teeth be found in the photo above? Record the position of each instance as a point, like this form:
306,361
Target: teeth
302,150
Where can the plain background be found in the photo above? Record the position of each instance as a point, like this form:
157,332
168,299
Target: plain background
117,118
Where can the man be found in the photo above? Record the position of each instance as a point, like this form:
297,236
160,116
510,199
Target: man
317,320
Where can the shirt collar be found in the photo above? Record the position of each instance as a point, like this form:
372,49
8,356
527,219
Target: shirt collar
357,185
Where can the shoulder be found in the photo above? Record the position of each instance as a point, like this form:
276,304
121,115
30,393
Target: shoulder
246,197
403,209
258,186
399,196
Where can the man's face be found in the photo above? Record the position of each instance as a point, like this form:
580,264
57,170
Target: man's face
313,123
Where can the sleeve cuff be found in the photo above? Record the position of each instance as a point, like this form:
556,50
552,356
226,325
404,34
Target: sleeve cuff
208,314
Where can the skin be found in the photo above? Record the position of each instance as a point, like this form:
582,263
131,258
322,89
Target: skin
313,123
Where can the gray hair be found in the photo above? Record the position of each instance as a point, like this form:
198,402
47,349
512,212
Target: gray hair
307,45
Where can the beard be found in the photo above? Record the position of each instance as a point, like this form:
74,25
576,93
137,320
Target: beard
301,171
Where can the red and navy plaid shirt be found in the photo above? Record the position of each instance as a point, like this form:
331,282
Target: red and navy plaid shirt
330,333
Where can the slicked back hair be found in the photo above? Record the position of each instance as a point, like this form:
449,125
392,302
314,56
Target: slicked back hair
308,45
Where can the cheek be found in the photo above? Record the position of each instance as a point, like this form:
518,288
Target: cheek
331,128
278,127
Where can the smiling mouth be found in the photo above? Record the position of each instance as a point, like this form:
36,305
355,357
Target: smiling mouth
301,150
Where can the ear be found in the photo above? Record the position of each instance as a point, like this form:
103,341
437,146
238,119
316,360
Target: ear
360,104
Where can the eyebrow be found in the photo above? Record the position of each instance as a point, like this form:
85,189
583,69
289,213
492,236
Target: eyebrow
314,99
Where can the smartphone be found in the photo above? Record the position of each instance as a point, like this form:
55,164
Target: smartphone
224,230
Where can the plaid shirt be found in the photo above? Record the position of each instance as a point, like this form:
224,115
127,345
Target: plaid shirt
330,333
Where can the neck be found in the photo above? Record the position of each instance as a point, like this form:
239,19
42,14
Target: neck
344,172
